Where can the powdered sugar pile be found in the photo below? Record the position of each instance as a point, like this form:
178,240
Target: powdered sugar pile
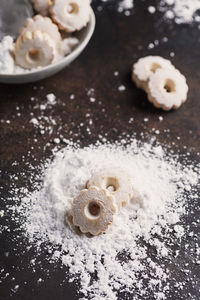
182,11
119,261
6,58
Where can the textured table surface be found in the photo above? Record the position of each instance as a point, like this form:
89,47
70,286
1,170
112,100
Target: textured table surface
118,41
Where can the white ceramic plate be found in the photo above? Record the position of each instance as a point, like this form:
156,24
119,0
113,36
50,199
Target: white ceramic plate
84,36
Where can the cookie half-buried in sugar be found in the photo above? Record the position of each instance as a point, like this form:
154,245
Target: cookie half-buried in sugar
42,6
44,24
93,210
34,49
71,15
146,66
116,181
167,89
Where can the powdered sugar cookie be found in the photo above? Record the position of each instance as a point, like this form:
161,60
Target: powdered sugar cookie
71,15
93,210
44,24
167,89
68,44
34,49
146,66
42,6
116,181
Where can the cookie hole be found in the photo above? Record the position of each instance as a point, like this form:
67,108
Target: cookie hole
33,55
169,86
72,8
93,210
111,188
112,184
154,67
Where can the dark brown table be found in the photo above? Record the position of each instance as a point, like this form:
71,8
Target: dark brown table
118,41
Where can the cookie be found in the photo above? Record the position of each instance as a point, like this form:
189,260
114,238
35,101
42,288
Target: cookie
146,66
42,6
167,89
44,24
116,181
93,210
34,49
70,15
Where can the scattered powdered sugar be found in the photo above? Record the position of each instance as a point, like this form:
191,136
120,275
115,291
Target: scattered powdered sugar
125,5
151,9
44,121
51,99
118,261
182,11
121,88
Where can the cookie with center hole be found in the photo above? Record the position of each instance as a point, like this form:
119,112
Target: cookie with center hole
44,24
167,89
93,210
71,15
146,66
34,49
116,181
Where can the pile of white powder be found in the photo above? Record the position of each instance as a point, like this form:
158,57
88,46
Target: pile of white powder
118,261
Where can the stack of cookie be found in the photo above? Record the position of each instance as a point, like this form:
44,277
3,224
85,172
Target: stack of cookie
165,86
107,191
40,42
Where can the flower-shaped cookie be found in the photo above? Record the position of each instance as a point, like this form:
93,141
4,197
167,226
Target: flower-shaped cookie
93,210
